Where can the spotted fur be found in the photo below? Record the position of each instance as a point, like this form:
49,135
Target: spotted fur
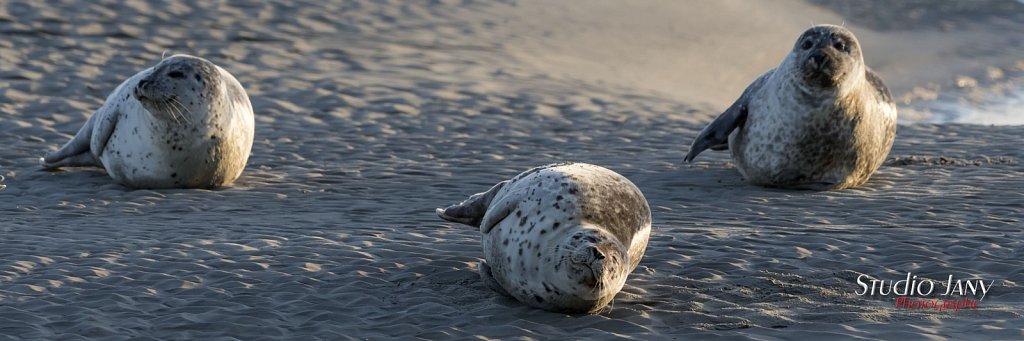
184,123
820,120
561,237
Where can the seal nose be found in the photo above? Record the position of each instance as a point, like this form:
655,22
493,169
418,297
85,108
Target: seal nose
818,58
596,254
143,82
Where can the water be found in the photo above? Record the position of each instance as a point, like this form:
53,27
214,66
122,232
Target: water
1005,111
999,104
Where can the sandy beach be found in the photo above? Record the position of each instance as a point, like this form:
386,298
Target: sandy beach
371,113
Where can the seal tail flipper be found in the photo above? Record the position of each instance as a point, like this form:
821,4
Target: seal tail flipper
716,134
471,211
76,152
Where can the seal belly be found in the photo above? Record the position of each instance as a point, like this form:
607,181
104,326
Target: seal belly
814,147
131,156
144,152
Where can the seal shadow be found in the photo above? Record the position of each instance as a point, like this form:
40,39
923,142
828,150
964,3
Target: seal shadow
79,173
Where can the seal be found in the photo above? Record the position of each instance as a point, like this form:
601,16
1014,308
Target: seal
184,123
561,237
820,120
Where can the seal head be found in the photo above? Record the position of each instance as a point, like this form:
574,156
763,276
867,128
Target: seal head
172,89
598,264
827,56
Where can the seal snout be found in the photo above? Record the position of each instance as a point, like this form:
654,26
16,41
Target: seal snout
592,261
818,61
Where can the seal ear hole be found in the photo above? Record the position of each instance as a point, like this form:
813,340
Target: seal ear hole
176,74
806,44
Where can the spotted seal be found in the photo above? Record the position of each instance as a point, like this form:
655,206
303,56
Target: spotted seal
820,120
184,123
561,237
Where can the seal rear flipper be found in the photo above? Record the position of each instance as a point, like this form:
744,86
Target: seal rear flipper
488,278
77,160
75,152
471,211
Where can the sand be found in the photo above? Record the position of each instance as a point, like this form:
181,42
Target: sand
372,113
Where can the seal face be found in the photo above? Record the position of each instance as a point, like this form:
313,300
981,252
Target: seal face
184,123
820,120
561,237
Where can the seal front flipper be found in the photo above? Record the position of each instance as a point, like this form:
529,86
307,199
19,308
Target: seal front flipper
716,135
500,209
76,152
103,130
472,210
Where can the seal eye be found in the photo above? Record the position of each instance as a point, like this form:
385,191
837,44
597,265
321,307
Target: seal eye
806,44
176,74
841,46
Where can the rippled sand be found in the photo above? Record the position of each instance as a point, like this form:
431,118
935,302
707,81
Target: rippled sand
372,113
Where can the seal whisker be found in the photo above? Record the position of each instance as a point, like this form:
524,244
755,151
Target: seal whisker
169,108
161,108
182,109
177,110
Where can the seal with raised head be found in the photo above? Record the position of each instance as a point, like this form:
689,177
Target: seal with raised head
820,120
184,123
561,237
